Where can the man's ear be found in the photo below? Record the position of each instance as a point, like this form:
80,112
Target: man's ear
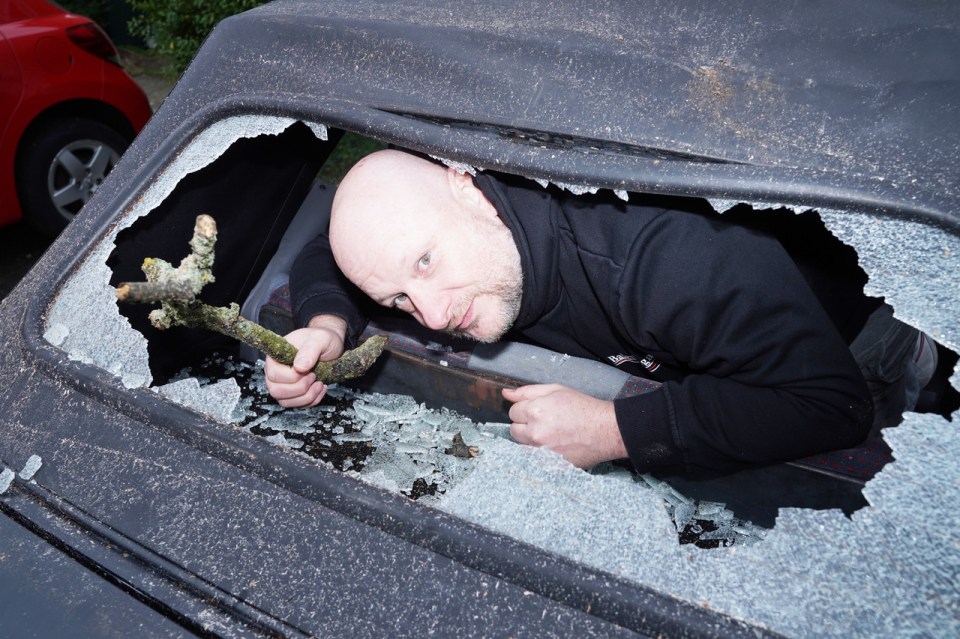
465,191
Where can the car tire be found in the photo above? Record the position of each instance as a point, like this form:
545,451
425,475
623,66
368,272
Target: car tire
61,166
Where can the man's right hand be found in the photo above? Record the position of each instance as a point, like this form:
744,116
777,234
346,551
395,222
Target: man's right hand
297,386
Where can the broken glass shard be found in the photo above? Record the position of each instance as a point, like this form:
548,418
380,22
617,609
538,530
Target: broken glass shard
6,478
31,467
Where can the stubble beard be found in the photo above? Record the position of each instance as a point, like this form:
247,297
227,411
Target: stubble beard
505,284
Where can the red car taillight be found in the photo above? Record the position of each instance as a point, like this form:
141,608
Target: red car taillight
92,39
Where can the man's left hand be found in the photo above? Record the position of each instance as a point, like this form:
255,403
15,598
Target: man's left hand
581,428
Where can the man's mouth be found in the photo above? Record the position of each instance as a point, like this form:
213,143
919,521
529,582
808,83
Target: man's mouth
466,320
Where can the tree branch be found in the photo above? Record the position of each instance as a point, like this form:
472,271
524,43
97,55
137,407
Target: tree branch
177,288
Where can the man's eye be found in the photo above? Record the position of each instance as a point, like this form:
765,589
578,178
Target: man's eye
399,300
424,262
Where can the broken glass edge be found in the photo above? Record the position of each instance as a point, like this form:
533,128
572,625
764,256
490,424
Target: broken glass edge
576,189
920,283
80,320
6,479
925,295
459,167
30,468
217,400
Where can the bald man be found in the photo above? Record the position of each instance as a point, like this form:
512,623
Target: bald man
757,353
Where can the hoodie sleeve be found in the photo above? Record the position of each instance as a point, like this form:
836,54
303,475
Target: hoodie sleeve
770,378
317,287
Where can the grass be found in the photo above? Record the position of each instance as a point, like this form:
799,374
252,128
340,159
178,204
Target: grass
350,149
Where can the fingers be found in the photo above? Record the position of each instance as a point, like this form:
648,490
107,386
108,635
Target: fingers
522,412
296,386
312,396
313,344
292,389
582,428
523,433
281,374
530,391
307,356
525,408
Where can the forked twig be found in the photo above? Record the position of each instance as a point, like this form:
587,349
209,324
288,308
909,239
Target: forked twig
176,289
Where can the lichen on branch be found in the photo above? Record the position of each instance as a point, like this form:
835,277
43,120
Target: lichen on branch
177,289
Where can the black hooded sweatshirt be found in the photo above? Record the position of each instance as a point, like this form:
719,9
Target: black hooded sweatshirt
750,342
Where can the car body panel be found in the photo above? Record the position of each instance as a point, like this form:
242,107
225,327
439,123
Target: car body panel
53,595
11,89
752,110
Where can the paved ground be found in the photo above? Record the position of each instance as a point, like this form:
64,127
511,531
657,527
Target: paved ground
148,71
155,87
21,246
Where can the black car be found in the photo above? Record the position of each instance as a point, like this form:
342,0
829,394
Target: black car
141,498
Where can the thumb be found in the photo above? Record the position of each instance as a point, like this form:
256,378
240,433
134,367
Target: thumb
307,357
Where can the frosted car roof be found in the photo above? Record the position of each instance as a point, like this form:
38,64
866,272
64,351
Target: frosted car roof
831,106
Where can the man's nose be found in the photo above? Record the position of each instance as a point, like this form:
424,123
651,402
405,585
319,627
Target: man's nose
434,311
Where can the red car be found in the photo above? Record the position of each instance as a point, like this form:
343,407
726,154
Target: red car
67,112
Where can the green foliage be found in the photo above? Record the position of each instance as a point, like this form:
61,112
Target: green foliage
177,28
347,153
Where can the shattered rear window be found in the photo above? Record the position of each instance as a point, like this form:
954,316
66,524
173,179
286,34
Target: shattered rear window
890,568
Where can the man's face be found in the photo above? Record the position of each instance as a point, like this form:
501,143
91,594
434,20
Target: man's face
453,270
464,280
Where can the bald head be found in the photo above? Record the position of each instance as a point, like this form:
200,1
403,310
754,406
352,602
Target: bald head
384,190
389,196
386,178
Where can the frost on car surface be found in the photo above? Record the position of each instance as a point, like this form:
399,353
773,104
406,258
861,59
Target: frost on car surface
816,572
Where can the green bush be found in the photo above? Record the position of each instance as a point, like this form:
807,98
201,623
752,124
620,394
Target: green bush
177,28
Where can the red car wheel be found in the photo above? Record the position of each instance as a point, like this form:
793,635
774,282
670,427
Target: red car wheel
62,166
